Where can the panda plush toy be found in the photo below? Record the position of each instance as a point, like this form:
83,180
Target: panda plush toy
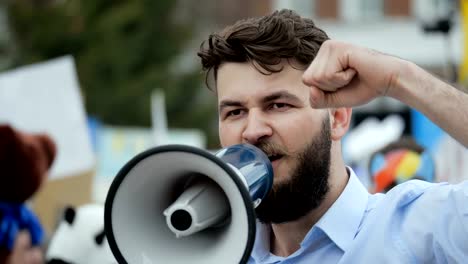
80,238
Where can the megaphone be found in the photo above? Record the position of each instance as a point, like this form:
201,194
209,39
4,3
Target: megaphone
181,204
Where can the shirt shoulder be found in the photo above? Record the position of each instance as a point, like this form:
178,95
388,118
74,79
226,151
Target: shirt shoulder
408,192
428,221
416,194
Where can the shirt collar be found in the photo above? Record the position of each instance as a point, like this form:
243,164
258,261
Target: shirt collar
342,220
340,223
261,249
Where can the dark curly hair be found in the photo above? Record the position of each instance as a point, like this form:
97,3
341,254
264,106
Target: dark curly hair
264,40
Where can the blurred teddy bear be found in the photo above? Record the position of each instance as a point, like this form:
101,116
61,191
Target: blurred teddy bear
25,159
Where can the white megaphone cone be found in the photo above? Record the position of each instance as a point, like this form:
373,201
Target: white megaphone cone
181,204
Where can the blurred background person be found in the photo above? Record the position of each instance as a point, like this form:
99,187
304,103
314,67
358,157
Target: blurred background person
400,161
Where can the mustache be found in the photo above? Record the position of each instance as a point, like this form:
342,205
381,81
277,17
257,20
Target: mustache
271,148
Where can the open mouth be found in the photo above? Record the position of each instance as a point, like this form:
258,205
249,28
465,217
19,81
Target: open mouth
274,157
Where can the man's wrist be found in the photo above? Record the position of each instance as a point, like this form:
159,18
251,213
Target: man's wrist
403,82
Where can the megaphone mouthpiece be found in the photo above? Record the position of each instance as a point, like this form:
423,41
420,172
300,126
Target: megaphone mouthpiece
200,206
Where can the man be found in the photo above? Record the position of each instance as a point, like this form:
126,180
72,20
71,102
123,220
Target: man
283,86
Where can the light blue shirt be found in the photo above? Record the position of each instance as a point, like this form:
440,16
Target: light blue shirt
416,222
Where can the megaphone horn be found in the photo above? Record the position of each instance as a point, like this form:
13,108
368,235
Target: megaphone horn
181,204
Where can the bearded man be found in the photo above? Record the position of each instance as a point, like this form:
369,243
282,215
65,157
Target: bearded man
284,87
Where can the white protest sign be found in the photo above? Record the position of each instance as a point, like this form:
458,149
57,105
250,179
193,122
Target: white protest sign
45,97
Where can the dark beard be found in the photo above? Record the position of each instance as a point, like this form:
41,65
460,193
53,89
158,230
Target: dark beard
305,191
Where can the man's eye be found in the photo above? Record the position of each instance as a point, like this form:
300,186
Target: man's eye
279,105
235,112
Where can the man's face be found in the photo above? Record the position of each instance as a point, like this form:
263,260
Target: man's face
273,112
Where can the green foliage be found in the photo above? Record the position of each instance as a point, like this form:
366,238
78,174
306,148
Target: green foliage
123,49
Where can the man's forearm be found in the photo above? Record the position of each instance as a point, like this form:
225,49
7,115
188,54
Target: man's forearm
443,104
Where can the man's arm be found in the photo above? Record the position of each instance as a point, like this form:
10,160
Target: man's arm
442,103
347,75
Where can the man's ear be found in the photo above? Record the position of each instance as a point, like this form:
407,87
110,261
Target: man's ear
340,119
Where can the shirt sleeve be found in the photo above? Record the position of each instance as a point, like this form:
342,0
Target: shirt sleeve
436,225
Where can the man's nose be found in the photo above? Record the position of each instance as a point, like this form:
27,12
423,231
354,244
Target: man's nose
256,129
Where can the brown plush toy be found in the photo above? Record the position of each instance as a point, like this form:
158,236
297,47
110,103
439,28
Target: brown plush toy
25,159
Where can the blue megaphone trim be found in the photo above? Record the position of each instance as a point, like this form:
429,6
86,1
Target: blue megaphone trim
253,165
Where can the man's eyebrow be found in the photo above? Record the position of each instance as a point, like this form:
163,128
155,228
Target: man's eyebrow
280,95
271,97
226,103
